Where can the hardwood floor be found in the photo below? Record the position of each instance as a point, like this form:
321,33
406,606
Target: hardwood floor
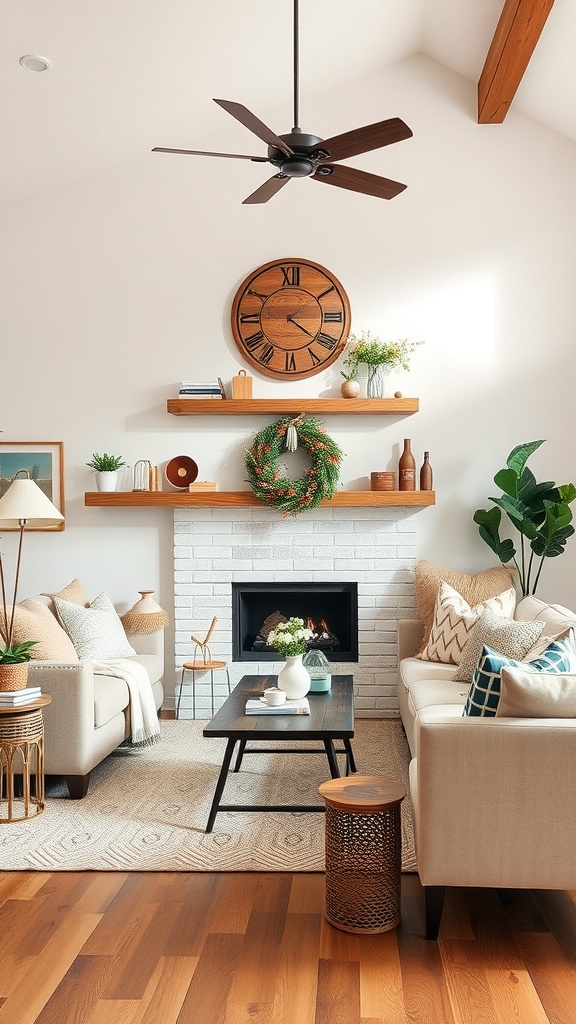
174,948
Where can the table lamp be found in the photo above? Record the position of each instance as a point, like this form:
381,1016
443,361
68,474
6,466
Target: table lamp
24,504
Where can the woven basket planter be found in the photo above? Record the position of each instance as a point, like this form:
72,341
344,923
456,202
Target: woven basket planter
13,677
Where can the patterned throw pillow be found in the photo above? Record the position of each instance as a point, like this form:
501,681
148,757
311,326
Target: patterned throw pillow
454,620
484,692
508,637
477,588
96,631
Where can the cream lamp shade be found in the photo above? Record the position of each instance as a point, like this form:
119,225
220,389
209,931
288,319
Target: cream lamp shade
26,504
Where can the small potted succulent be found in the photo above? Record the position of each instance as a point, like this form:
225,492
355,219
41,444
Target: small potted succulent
107,469
350,387
14,660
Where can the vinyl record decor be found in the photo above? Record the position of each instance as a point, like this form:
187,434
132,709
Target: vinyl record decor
290,318
300,155
181,471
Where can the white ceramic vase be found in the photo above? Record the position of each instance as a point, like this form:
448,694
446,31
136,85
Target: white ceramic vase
146,605
294,678
107,481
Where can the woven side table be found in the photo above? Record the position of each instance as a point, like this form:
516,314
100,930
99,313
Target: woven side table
363,853
22,753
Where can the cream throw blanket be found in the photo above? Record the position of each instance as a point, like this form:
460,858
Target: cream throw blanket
144,724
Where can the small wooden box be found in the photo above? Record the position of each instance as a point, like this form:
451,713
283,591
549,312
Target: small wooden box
242,385
204,485
382,481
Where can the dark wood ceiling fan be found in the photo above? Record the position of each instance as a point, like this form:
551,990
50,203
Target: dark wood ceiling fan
299,155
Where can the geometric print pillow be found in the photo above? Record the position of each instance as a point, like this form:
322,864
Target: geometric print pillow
454,620
484,693
96,632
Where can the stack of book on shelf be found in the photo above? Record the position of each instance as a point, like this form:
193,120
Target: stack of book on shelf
13,698
258,706
202,389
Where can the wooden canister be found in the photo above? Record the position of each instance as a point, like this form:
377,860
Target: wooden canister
382,481
242,385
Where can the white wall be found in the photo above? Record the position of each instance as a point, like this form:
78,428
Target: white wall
113,290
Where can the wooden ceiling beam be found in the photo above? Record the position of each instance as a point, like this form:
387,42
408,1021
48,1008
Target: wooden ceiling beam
515,39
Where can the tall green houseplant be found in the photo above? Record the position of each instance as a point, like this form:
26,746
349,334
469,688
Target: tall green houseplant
539,512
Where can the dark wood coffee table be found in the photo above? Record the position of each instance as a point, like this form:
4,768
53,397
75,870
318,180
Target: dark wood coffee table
331,718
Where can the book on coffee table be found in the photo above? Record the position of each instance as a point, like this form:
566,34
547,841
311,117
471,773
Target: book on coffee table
258,706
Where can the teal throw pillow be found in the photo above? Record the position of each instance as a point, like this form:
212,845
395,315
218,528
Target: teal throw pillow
484,693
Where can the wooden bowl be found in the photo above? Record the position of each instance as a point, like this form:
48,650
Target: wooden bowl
181,471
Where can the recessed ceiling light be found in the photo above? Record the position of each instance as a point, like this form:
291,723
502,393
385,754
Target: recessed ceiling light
34,63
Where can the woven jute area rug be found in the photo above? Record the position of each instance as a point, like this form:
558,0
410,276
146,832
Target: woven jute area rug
146,810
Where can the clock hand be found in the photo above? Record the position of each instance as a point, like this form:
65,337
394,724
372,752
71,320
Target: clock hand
291,320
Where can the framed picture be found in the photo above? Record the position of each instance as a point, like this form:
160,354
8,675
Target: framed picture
44,463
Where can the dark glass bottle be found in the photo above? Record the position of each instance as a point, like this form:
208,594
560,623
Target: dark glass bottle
407,468
426,474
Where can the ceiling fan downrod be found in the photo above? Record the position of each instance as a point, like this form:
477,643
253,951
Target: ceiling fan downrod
296,127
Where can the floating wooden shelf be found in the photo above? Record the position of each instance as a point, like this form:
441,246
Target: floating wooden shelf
242,499
284,406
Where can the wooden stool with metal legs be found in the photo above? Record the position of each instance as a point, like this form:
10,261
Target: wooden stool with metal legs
203,662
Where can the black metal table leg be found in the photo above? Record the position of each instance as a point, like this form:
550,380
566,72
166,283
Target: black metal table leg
331,755
221,783
240,755
350,762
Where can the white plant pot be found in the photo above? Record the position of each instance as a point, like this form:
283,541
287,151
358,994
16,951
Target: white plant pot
294,678
107,481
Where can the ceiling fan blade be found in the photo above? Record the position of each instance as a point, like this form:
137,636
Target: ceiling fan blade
362,140
267,190
202,152
254,124
358,181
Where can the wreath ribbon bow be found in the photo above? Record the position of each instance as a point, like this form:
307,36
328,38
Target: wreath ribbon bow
292,434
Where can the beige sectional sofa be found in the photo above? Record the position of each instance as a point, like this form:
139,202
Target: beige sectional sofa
89,715
493,797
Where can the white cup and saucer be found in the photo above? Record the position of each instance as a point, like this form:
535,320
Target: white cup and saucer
273,696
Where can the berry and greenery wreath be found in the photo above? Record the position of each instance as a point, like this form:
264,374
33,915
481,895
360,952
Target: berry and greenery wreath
317,483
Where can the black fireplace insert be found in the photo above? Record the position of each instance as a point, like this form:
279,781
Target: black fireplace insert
329,609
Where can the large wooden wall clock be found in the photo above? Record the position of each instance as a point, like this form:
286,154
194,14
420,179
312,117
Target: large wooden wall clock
290,318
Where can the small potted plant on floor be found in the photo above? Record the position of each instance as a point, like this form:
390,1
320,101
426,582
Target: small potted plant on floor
107,469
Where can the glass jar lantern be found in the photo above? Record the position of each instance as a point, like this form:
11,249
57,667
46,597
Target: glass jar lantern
319,670
142,475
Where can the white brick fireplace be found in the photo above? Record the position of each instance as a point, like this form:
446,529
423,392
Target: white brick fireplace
374,547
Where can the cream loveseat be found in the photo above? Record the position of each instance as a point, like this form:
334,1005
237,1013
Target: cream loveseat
493,797
89,715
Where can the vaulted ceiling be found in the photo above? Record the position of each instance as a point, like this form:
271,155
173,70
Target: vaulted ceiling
130,74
